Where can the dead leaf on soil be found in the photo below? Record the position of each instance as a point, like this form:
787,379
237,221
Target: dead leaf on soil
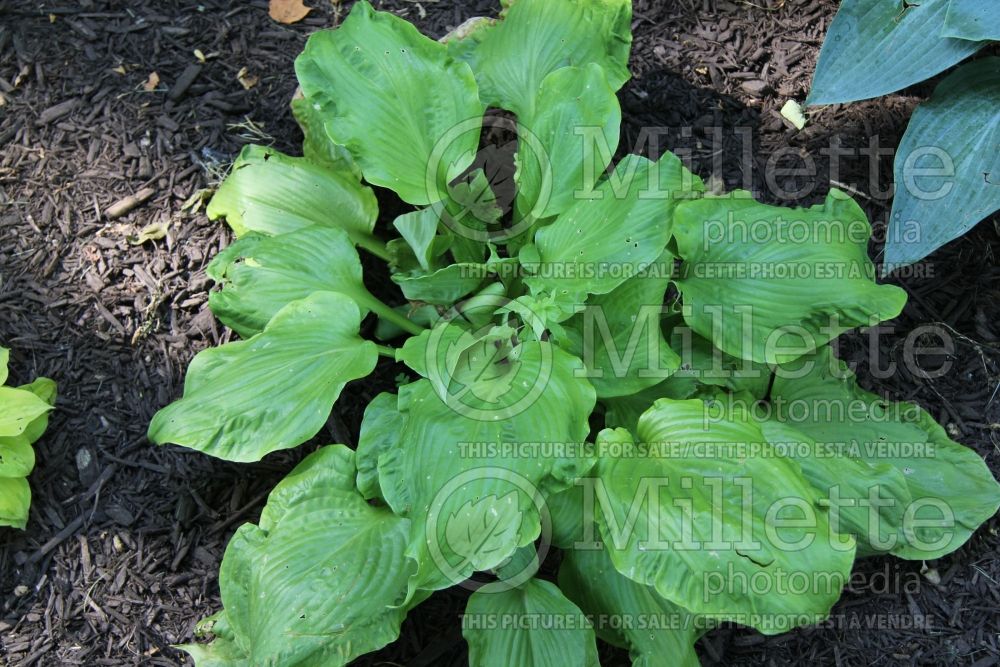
152,82
287,11
246,79
154,231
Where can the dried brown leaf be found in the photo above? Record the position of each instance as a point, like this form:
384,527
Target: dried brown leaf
287,11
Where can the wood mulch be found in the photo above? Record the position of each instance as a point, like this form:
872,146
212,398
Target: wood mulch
122,549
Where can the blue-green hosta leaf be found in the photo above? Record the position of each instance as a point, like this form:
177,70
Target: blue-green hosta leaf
15,499
701,513
380,432
271,193
769,283
566,143
512,56
619,338
474,458
274,391
654,630
956,133
510,628
317,581
19,408
408,113
875,47
618,231
316,144
973,20
949,483
263,274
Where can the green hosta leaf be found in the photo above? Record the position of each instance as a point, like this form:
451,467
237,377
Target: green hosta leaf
17,458
955,133
407,112
442,287
512,56
619,338
529,641
769,283
943,477
617,232
19,408
419,229
45,389
567,142
316,144
875,47
704,365
655,631
4,361
475,452
15,499
380,432
317,581
261,275
972,20
701,514
271,193
274,391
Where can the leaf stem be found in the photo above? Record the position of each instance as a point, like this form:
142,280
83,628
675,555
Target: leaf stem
391,315
386,351
372,245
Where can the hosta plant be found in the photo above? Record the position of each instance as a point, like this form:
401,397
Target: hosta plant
24,416
615,417
947,165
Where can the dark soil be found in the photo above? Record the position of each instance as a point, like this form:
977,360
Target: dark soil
124,541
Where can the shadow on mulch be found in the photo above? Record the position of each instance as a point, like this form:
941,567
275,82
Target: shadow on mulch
121,554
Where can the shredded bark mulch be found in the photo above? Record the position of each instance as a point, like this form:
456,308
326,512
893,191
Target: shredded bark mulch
113,115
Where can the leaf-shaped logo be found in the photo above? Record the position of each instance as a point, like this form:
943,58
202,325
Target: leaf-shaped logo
484,532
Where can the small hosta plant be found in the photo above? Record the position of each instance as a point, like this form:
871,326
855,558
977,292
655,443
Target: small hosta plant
24,416
622,415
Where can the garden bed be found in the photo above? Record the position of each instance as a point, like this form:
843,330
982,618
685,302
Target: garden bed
121,553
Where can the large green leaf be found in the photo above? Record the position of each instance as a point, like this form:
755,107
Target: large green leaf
408,113
263,274
567,141
875,47
442,287
274,391
869,443
4,360
973,20
769,283
701,513
317,581
619,338
17,458
622,228
656,631
947,169
317,146
380,432
271,193
18,409
494,430
512,56
517,627
45,389
15,499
